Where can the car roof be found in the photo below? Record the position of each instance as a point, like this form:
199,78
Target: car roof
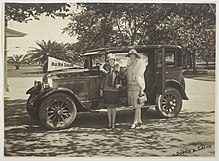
139,48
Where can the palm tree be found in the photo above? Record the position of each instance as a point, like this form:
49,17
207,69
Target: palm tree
40,55
61,51
54,49
71,55
17,60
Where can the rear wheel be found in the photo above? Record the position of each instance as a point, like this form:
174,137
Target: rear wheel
169,104
57,111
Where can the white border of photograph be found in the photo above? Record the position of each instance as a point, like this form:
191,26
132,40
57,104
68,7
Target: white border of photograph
3,158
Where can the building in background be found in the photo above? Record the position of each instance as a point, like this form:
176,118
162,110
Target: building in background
9,33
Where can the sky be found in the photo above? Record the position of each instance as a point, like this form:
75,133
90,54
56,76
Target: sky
46,29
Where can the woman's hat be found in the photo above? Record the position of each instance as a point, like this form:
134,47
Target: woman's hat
133,51
111,56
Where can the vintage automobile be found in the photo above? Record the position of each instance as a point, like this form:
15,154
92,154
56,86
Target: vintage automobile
76,90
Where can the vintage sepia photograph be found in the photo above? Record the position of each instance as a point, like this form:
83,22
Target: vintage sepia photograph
109,79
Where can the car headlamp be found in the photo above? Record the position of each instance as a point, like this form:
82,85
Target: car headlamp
37,85
45,81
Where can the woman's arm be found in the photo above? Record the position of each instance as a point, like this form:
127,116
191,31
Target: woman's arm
138,71
140,82
103,82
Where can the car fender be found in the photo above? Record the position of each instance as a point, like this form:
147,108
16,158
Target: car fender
46,93
173,83
32,90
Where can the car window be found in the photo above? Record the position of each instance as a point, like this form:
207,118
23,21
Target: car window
98,60
159,58
170,58
121,59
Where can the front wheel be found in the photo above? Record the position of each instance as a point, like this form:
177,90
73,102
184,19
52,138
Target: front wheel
57,111
169,104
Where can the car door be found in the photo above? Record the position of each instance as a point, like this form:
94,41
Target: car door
160,71
97,60
94,88
173,65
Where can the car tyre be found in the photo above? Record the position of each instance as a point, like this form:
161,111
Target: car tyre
169,104
57,111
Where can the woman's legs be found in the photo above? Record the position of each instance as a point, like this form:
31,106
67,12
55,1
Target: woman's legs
139,117
137,114
109,114
113,116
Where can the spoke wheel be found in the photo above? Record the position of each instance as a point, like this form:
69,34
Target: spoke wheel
32,110
57,111
169,104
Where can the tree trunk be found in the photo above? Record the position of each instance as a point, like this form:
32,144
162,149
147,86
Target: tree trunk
190,60
194,63
132,40
17,67
185,61
45,67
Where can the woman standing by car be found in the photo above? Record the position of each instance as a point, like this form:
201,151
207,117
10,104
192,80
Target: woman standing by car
110,88
135,84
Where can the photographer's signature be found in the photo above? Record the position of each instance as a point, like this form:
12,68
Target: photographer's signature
187,151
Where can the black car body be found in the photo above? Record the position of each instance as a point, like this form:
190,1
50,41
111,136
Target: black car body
77,90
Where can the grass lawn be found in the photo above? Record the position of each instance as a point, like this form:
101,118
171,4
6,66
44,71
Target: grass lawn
25,71
37,71
209,76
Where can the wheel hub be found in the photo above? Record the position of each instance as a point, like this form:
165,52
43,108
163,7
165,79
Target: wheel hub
59,112
168,103
171,103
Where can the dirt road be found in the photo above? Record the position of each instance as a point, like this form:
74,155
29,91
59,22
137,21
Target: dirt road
192,133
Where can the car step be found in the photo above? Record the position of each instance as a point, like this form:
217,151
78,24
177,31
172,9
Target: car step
120,108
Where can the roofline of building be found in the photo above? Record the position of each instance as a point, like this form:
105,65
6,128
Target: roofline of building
14,33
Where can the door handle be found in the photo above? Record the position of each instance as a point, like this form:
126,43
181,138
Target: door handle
167,72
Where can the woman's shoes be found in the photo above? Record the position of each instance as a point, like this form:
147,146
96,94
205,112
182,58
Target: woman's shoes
138,124
111,125
133,126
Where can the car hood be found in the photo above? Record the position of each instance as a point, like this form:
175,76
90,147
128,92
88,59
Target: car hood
71,72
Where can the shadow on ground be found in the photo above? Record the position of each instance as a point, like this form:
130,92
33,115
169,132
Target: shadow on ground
89,137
